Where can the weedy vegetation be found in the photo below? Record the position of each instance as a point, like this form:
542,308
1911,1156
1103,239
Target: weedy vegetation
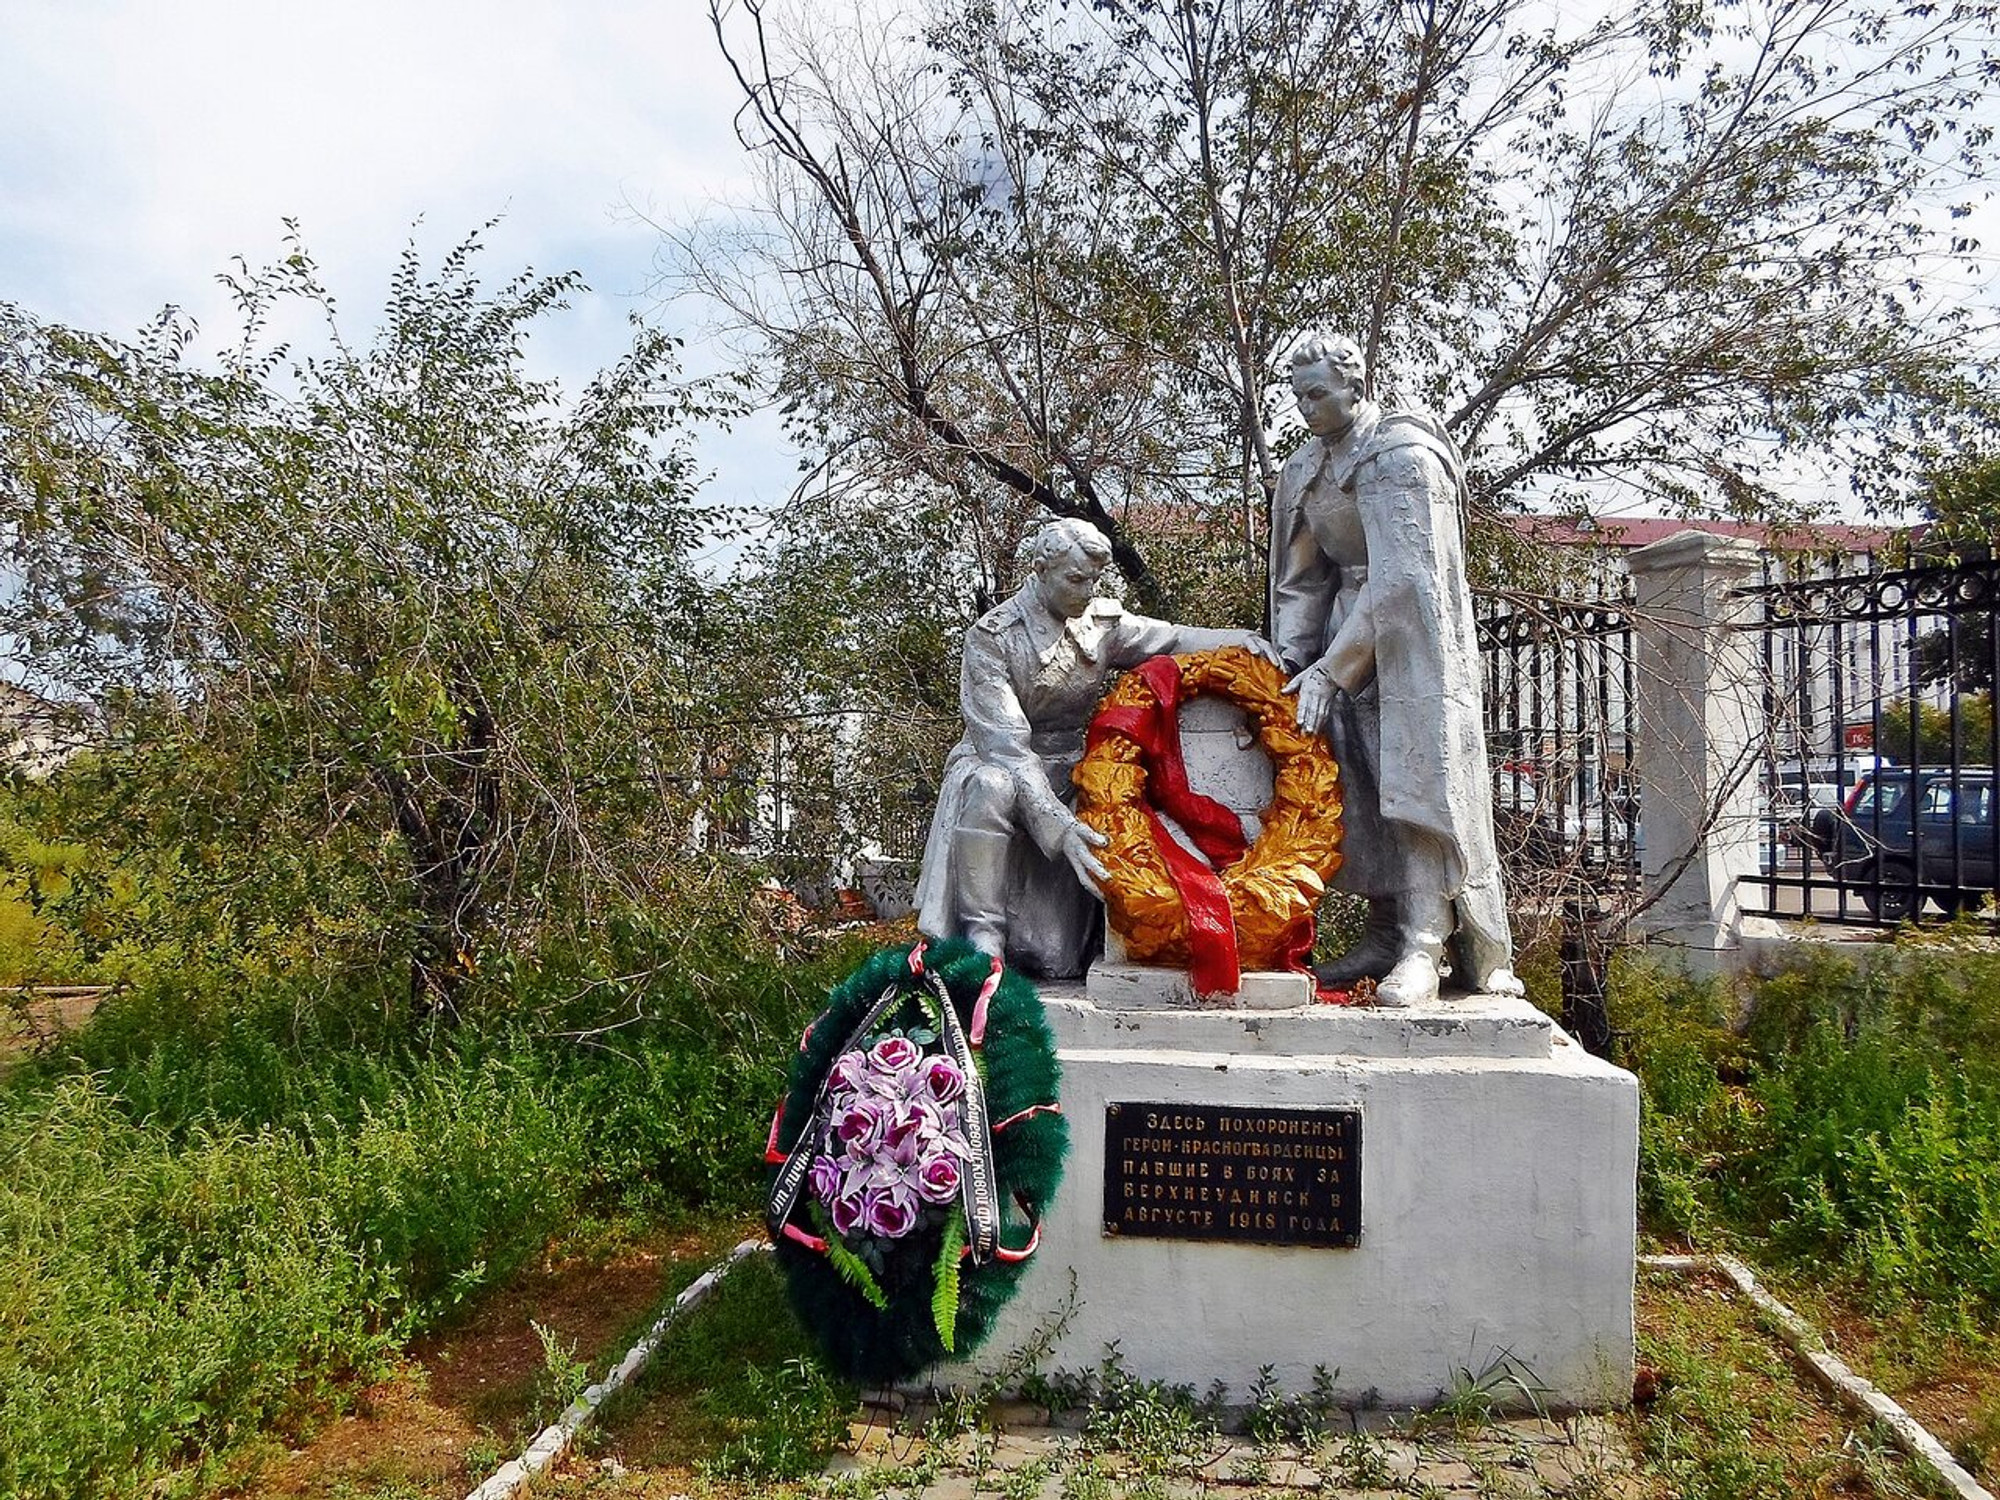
1838,1125
227,1202
1850,1123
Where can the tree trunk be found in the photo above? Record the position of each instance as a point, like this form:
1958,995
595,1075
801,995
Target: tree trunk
450,847
1585,956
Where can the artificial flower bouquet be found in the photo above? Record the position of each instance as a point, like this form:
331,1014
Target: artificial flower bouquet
892,1158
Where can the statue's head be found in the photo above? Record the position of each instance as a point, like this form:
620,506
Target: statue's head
1330,380
1067,556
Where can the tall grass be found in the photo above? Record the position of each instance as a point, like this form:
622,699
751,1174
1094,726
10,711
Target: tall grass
160,1296
223,1201
1852,1121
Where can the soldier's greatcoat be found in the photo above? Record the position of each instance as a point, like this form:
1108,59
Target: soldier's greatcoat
1368,562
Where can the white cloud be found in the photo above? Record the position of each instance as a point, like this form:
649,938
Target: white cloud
144,144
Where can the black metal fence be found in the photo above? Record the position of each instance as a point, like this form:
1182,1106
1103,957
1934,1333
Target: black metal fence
1876,787
1871,771
1560,726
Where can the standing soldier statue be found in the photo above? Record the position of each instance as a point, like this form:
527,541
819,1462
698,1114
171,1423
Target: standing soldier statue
1371,609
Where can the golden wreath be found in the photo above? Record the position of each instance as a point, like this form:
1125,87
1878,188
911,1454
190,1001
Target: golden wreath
1280,878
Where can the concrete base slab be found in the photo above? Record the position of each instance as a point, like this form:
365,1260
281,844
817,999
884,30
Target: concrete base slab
1497,1207
1461,1026
1124,986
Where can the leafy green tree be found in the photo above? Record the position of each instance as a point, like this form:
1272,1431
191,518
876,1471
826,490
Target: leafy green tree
1961,507
1942,735
867,606
393,620
1037,257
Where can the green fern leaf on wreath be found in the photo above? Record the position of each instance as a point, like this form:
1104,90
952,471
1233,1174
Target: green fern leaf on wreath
944,1300
852,1268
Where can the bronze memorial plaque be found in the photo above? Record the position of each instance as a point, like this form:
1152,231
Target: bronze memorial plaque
1224,1172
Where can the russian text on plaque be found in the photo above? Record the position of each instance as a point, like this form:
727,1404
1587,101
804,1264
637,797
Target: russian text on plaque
1227,1172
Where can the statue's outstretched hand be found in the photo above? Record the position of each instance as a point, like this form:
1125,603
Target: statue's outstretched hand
1315,689
1078,843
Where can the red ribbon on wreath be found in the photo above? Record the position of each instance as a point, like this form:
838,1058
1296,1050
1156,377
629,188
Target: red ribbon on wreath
1216,831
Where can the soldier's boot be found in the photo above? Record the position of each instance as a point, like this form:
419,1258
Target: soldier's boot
1374,955
1415,977
979,869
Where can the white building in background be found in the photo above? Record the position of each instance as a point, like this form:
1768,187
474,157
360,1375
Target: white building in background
1825,680
34,733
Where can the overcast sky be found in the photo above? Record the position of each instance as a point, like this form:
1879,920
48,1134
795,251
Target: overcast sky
143,143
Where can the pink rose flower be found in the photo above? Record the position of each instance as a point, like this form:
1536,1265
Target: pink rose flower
937,1178
849,1210
941,1078
890,1213
893,1056
825,1177
850,1070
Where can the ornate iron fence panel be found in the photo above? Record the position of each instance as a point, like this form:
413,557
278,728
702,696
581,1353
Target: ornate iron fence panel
1876,798
1560,721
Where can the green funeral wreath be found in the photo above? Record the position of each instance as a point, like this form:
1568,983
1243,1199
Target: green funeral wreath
914,1156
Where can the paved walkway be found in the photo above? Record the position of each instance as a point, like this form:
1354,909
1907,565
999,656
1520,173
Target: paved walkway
1579,1458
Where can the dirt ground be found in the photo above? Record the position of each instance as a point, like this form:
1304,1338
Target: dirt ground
469,1397
1948,1381
1760,1400
1722,1410
32,1018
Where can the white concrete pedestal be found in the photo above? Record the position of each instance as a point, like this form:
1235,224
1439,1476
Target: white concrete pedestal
1113,984
1498,1164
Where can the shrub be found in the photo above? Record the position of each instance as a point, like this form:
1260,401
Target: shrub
1853,1122
227,1194
33,873
162,1295
1675,1036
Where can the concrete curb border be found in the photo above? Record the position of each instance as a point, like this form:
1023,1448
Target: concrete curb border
1861,1396
511,1479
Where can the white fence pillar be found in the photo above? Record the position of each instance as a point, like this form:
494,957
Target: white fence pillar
1700,733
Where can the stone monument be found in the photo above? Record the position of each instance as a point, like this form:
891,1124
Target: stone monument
1370,607
1402,1195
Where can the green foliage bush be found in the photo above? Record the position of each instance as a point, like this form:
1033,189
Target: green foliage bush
801,1416
410,715
164,1293
1854,1120
224,1195
1675,1036
672,1104
34,872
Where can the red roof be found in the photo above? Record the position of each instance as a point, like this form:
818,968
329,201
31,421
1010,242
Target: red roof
1626,532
